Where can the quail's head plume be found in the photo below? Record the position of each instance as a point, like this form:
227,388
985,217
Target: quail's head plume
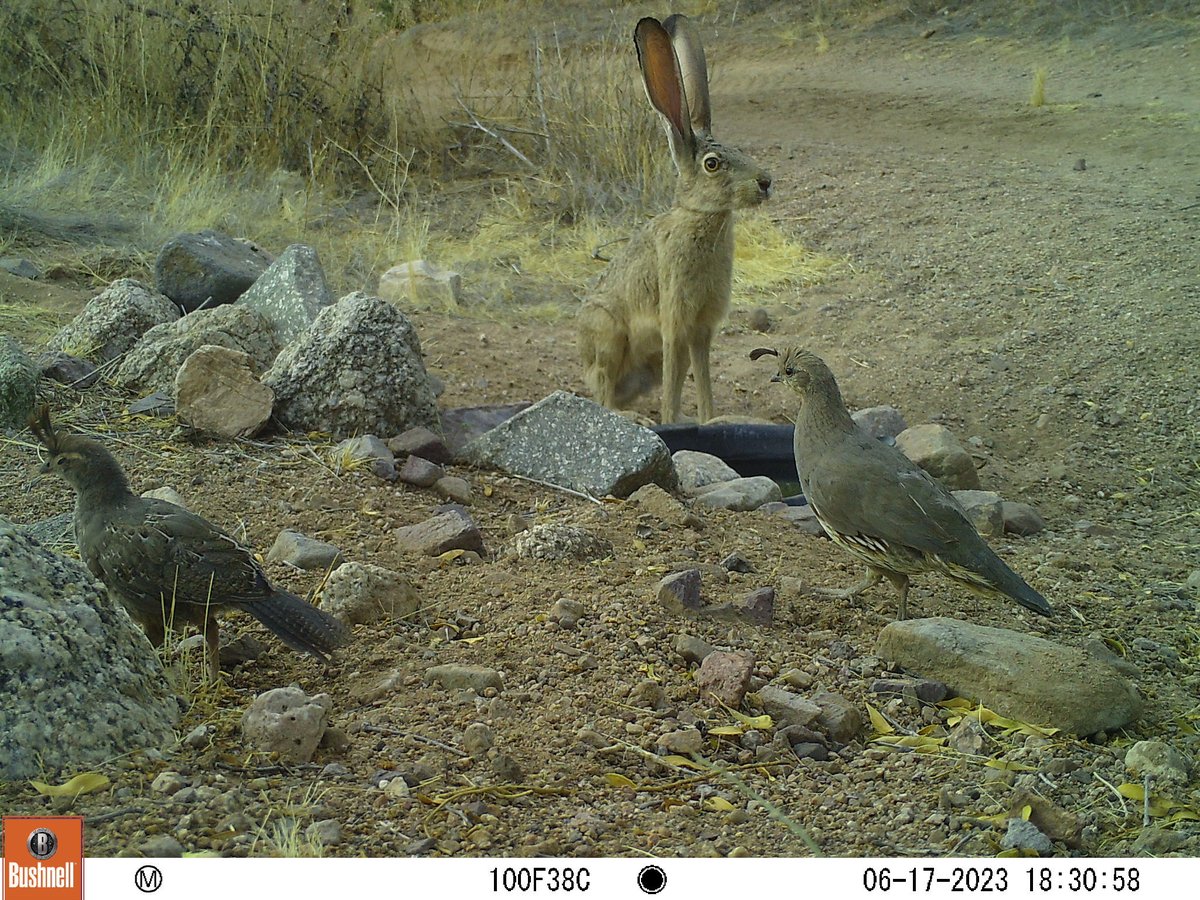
877,504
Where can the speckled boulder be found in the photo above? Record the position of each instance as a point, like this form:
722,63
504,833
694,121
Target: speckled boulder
357,370
361,593
287,721
291,293
113,321
79,682
555,541
153,364
577,444
18,383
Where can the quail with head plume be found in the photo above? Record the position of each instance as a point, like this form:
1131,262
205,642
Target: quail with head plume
167,565
874,502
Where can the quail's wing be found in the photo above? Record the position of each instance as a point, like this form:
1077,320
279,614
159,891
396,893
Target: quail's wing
158,549
873,490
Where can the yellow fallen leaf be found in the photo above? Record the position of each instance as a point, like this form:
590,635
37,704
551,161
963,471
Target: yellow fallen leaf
718,804
617,780
728,730
878,722
1026,812
83,783
683,762
451,555
760,722
1160,805
488,490
474,640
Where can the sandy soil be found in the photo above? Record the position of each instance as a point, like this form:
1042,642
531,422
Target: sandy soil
1042,307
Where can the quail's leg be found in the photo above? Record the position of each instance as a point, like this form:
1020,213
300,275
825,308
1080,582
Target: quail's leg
900,583
212,647
872,578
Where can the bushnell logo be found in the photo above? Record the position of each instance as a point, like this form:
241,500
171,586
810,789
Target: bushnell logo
43,858
42,844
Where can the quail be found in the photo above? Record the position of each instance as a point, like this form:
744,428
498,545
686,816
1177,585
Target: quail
167,565
877,504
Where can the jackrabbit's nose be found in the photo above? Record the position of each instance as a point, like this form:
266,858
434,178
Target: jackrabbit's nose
764,183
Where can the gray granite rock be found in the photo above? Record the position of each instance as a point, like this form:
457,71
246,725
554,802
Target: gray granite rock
419,471
421,442
786,708
114,321
801,516
554,541
1021,518
574,443
697,470
18,384
1023,835
454,677
362,593
21,267
216,392
1019,675
692,649
287,721
936,450
661,506
370,451
1163,763
357,370
79,682
153,364
303,552
739,495
984,509
839,719
880,421
207,268
290,293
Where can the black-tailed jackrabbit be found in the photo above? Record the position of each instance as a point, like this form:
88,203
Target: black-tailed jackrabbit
663,297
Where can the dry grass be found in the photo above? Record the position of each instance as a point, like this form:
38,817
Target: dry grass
171,117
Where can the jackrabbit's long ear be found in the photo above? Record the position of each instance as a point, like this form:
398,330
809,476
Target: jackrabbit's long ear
690,53
664,86
42,429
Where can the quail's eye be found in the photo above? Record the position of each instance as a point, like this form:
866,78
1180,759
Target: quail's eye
711,162
789,371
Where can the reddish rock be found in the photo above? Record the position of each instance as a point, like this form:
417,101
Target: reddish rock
725,676
451,530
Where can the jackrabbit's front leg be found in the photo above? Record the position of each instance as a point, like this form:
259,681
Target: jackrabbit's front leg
675,366
700,371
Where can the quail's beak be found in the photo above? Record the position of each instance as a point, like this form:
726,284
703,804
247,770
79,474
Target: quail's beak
775,379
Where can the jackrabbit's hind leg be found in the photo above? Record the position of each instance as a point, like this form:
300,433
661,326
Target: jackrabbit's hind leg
700,371
604,348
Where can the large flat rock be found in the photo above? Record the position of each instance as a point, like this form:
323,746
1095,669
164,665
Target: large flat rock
577,444
1018,675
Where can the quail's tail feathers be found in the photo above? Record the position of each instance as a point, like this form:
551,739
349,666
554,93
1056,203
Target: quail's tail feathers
299,624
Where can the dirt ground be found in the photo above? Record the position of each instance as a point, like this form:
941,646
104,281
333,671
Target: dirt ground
1027,276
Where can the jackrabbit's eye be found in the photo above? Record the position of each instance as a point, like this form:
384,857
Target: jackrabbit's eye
711,162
